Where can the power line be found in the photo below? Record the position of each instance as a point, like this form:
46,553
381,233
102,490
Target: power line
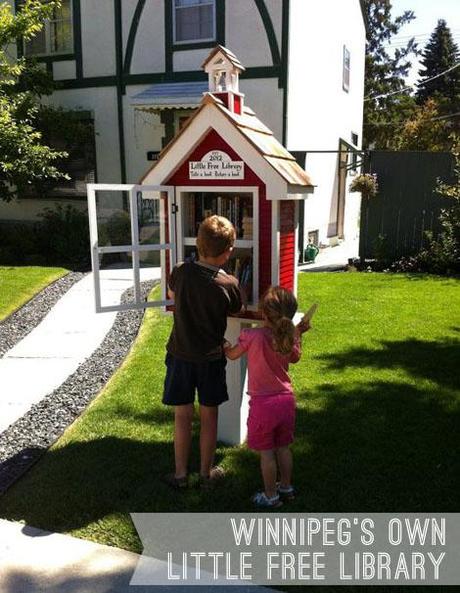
401,44
420,41
403,121
410,86
454,33
427,34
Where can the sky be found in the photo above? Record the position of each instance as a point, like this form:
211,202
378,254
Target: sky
427,13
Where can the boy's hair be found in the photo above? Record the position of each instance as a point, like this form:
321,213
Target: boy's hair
216,235
279,307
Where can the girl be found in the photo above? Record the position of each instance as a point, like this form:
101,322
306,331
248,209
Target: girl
271,420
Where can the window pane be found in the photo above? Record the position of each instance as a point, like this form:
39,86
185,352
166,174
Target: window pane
346,69
36,45
61,36
180,3
63,12
194,21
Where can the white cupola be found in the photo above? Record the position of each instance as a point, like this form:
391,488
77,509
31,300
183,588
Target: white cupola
223,69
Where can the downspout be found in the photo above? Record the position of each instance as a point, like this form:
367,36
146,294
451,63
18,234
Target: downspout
120,88
285,66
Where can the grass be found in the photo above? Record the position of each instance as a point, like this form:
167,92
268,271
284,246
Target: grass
378,418
20,284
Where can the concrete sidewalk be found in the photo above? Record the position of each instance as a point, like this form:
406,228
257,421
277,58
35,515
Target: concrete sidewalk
331,259
66,337
36,561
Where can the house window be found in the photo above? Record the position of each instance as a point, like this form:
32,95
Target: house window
181,117
354,154
56,37
194,20
74,133
346,69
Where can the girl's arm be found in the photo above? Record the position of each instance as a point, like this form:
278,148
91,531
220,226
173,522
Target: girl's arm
233,352
300,329
296,352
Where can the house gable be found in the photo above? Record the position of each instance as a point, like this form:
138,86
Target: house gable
212,141
208,118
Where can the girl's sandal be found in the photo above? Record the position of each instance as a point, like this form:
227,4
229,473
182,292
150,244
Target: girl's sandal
176,483
262,501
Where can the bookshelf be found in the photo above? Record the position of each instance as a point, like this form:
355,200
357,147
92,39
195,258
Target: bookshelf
240,208
237,207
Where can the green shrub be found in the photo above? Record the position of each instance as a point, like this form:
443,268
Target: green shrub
118,228
18,242
63,236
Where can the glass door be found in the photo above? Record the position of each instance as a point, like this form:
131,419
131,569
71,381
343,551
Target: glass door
133,239
239,205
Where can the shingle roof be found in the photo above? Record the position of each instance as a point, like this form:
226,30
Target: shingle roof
228,54
176,94
264,141
258,135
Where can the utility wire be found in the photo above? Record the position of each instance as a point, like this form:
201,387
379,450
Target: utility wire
410,86
403,121
453,31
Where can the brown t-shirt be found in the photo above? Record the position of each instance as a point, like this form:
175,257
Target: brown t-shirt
204,297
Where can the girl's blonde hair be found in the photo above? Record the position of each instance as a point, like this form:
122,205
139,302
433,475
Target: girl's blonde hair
279,307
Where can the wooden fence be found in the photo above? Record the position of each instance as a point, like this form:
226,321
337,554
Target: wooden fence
394,223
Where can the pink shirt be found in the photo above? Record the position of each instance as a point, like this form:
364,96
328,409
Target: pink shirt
268,370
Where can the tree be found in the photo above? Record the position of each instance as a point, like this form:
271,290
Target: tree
426,130
439,55
24,159
387,101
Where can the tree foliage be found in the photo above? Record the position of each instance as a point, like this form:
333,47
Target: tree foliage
24,159
387,101
440,54
425,130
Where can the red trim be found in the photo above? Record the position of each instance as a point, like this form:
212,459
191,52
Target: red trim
237,104
265,242
213,141
287,244
225,98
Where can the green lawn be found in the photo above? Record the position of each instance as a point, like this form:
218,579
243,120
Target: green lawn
20,284
378,419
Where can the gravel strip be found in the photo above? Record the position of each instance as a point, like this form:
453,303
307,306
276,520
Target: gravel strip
20,323
25,441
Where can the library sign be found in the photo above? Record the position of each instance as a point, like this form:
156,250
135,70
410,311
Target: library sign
216,164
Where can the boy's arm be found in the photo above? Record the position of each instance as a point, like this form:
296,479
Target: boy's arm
237,300
172,282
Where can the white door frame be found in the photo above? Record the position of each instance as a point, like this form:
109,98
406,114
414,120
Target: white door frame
134,248
254,243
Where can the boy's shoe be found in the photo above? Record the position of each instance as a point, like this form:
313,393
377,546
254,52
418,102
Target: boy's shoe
262,501
216,474
176,483
286,494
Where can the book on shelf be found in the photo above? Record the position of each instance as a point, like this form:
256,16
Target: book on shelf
241,268
237,209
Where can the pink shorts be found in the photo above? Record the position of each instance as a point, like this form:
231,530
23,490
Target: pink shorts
271,421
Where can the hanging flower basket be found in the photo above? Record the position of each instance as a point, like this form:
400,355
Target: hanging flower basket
366,184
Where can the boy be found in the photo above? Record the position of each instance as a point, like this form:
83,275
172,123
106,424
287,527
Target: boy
204,296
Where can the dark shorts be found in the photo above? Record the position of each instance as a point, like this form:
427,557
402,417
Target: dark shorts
184,377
